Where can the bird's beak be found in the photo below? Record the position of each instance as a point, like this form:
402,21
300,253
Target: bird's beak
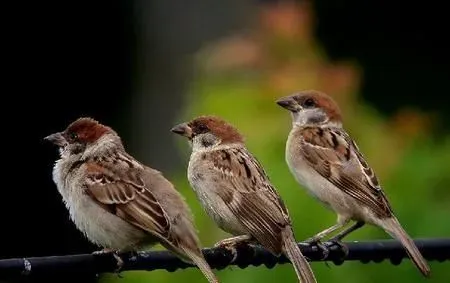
182,129
289,103
56,138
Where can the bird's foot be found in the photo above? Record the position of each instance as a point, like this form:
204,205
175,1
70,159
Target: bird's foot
231,244
343,248
116,257
313,241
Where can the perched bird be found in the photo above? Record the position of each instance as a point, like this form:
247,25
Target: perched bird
117,202
327,162
236,192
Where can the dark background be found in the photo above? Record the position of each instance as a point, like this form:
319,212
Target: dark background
84,58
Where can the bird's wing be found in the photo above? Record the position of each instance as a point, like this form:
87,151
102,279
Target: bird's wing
125,192
246,190
335,156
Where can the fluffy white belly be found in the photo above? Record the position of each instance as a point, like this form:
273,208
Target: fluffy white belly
98,225
101,227
334,198
312,182
213,205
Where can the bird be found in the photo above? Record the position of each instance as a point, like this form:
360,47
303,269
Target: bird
327,162
236,192
117,202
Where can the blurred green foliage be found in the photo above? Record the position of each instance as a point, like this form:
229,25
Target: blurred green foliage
239,79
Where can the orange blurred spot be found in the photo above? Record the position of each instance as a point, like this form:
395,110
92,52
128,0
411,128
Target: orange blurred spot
288,19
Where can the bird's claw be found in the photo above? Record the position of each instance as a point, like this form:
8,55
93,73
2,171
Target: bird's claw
229,246
119,264
322,247
116,257
342,246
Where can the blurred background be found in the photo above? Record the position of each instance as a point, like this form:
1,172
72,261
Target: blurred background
143,66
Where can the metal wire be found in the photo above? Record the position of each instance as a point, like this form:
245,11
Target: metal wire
218,258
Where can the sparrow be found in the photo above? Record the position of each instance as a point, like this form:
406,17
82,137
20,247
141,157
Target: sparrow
117,202
236,192
326,161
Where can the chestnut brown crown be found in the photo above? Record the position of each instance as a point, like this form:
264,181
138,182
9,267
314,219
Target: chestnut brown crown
309,99
217,126
86,130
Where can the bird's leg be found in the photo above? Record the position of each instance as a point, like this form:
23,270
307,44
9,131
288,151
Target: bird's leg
230,244
233,241
317,239
347,231
337,238
116,256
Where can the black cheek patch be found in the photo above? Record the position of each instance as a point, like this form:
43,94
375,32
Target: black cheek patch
316,119
207,143
77,148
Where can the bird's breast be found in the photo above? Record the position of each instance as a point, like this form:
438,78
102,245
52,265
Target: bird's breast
316,185
206,184
102,227
99,225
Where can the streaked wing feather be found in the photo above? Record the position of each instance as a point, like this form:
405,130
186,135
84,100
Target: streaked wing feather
125,194
335,156
251,197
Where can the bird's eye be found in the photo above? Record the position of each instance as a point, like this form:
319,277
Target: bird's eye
309,103
202,128
73,136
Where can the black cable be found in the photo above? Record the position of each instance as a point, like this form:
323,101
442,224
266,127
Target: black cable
218,258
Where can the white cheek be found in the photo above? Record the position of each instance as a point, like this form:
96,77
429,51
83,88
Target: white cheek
64,152
298,118
197,143
309,117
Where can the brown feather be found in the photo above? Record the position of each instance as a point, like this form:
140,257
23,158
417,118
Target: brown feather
125,194
336,163
252,199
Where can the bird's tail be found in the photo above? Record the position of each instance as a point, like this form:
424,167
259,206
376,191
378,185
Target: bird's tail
198,259
185,245
393,227
292,251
